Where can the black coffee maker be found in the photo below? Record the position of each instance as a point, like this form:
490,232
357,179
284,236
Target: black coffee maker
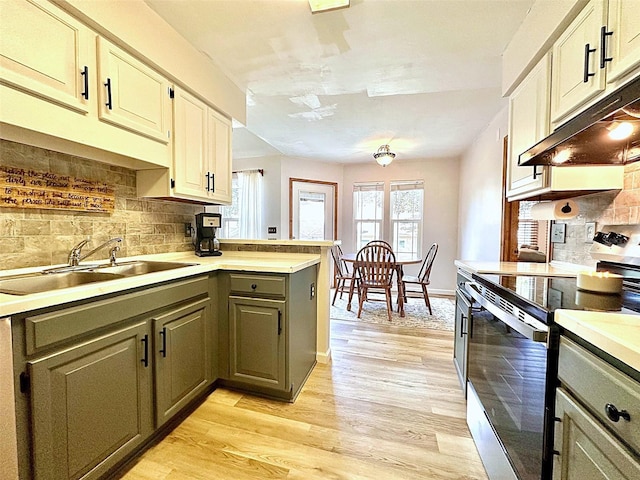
207,245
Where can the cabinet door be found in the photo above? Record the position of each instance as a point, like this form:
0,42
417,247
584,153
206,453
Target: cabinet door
587,450
132,95
91,404
461,340
183,357
190,145
219,138
54,73
623,45
528,124
257,342
576,54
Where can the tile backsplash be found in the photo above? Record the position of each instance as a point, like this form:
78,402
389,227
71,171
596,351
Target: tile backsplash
32,237
619,207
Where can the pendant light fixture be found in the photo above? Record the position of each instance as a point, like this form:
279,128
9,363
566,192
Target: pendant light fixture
384,156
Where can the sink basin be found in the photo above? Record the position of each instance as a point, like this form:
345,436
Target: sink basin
141,267
38,282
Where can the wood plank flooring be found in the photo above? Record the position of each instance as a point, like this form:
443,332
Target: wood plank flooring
389,406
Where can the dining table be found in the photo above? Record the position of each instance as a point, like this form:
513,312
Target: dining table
401,261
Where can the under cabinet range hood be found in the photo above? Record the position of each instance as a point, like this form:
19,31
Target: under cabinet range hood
607,133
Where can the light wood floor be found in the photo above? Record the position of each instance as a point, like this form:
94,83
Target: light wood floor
388,407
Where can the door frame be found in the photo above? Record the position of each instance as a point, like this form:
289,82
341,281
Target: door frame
509,227
335,203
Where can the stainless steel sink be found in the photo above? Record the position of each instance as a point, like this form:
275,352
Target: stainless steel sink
62,277
142,267
39,282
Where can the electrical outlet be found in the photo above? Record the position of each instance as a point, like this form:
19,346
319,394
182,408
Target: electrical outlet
312,291
187,229
272,230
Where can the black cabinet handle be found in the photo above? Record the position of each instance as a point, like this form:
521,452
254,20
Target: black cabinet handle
536,174
145,343
603,46
163,336
213,182
462,332
614,414
587,53
208,179
85,78
253,286
108,85
279,322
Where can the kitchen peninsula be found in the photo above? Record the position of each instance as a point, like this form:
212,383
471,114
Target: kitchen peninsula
246,319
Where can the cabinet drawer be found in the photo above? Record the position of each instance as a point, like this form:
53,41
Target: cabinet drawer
596,383
60,325
257,285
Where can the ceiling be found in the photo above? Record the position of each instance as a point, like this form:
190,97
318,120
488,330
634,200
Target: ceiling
420,75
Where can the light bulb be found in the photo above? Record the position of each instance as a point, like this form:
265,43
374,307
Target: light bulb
620,130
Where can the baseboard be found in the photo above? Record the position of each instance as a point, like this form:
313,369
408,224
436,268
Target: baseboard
323,357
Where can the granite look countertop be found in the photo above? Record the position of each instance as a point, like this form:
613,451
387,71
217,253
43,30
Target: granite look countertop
553,269
617,334
231,261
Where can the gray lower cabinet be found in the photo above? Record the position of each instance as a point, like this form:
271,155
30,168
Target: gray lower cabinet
597,413
257,341
91,404
96,379
182,357
461,332
268,331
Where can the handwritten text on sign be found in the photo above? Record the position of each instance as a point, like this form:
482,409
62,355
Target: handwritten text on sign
24,188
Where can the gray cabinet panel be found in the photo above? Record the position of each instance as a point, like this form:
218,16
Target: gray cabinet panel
257,341
587,451
91,404
182,357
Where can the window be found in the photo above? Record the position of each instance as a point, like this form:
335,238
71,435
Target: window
231,214
311,215
406,217
527,227
243,218
368,202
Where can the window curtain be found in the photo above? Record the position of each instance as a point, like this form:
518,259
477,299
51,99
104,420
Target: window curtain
250,199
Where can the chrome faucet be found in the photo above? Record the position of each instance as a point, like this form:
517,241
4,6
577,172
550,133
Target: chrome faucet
75,255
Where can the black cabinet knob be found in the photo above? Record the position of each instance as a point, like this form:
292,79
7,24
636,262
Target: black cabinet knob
253,286
614,414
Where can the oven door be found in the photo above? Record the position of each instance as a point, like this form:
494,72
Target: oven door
507,377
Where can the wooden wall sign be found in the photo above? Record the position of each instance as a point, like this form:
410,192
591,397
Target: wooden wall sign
23,188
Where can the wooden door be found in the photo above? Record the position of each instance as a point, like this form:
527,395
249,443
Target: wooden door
62,72
257,341
132,95
182,357
569,90
91,404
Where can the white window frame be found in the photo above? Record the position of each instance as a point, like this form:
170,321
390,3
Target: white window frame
415,219
359,220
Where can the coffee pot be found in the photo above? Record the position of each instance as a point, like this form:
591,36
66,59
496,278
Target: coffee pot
206,242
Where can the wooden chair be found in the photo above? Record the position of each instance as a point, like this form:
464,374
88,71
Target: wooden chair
376,265
423,276
380,242
343,276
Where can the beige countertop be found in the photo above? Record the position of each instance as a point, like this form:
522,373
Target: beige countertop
238,261
557,269
617,334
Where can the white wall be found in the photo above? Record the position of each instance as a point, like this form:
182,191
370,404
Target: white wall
480,213
440,178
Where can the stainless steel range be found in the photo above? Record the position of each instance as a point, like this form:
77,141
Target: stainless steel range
513,357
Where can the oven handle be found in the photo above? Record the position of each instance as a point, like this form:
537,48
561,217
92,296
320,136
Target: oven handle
529,331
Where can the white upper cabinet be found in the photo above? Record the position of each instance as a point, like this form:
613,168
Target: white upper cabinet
201,169
528,124
623,44
598,52
45,51
132,95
